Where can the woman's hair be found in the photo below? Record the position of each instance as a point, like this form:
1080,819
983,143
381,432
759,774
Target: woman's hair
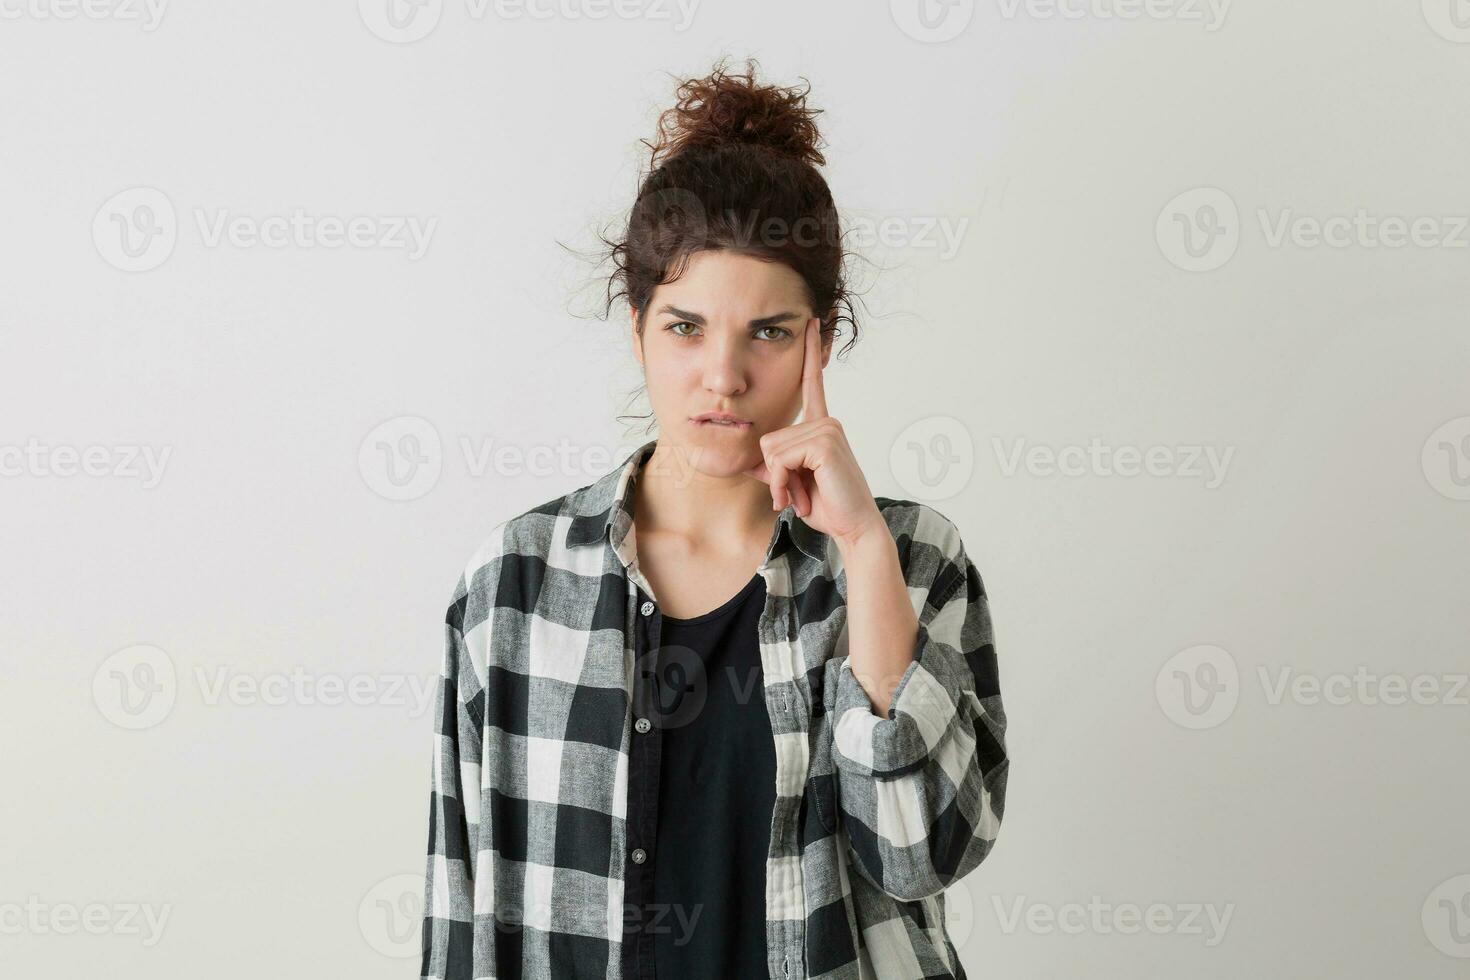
735,168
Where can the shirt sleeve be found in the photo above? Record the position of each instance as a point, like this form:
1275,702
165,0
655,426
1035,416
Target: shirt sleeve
449,887
922,790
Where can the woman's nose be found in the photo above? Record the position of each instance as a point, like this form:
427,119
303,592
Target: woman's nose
724,368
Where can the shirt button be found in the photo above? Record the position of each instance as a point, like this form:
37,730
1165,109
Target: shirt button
647,609
639,855
642,725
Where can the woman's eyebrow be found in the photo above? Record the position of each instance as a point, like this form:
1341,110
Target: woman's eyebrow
765,321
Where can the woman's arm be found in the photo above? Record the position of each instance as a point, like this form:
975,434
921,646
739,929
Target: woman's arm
881,623
921,763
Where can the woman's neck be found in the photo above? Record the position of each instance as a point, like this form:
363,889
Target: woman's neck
724,512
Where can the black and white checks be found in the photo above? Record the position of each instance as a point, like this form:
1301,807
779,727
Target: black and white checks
874,816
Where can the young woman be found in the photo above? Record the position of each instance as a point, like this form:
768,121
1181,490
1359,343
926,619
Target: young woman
722,713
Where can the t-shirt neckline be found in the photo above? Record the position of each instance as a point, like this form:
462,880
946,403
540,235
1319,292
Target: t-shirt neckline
725,608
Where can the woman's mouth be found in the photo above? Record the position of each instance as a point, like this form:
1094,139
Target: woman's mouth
735,425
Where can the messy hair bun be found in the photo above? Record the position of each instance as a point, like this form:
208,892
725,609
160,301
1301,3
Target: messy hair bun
725,108
734,167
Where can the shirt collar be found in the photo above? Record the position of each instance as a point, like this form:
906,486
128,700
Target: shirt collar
603,511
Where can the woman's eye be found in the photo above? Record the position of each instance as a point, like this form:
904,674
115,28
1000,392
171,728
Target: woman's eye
780,333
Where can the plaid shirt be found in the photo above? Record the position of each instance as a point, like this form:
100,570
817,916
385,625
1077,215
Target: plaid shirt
530,844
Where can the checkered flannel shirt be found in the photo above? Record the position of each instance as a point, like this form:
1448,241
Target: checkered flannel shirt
529,839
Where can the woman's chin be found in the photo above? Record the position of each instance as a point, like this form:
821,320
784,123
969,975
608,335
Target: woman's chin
725,453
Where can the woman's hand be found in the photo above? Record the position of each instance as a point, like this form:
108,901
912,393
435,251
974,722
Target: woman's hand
811,466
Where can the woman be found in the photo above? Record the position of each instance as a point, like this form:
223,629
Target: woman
760,736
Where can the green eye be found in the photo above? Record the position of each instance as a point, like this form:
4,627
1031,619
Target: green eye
781,333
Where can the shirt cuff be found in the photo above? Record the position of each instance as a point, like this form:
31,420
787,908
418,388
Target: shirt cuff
919,716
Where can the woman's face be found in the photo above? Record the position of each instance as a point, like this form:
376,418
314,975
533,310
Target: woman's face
727,336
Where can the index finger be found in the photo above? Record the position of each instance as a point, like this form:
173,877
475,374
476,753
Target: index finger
813,396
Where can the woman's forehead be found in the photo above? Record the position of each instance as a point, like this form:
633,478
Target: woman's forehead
722,284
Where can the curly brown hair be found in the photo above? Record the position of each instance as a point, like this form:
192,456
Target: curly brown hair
735,167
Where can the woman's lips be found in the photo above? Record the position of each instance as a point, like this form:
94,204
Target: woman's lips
713,424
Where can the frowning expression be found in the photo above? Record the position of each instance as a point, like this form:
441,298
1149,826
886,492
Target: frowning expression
722,350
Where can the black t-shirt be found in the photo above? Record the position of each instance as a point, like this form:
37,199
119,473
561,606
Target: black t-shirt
717,791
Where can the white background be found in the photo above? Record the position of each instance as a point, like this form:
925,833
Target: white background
285,839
